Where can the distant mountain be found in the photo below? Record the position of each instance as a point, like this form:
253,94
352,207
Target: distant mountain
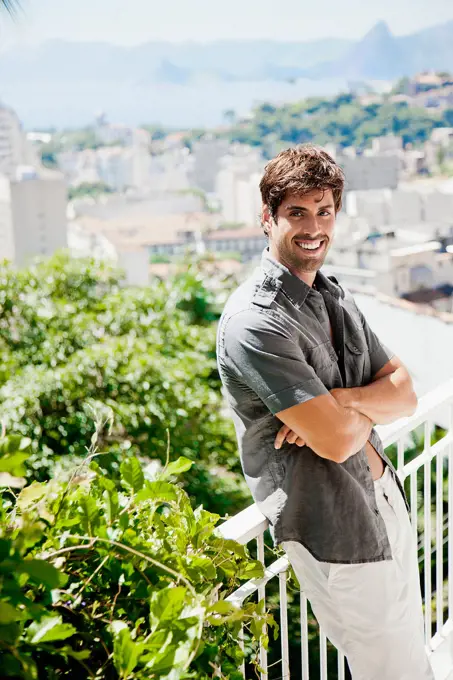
245,60
382,56
190,84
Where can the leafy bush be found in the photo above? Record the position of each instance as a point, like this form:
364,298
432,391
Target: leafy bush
116,580
74,338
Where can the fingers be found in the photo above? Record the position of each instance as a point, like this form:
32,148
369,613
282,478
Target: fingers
286,434
291,437
281,436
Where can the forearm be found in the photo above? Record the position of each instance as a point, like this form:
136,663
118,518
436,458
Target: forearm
357,426
384,400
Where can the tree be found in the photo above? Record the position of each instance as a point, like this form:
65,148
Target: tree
342,120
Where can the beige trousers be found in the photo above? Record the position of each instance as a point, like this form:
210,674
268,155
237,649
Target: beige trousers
372,612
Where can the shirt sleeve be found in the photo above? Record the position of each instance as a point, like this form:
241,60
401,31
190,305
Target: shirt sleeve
259,352
380,354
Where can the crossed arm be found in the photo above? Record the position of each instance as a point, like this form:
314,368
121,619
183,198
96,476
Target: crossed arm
338,424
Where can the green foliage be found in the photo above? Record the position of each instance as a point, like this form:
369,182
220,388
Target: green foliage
73,338
87,189
341,120
117,580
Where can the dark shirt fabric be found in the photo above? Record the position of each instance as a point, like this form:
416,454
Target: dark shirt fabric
274,350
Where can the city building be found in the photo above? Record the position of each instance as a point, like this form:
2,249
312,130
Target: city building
237,185
411,203
370,172
206,154
32,214
385,263
388,144
15,149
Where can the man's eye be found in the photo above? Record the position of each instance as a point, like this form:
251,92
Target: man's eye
295,214
324,213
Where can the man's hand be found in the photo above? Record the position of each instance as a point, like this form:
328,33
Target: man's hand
286,434
342,396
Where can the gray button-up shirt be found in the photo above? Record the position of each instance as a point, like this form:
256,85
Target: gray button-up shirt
274,351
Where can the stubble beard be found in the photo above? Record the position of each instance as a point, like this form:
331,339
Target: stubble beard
298,263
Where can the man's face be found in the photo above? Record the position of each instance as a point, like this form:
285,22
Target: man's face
302,231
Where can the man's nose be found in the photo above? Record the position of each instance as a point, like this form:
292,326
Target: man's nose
311,226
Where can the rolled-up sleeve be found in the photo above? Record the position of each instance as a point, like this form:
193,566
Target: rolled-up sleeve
260,352
380,354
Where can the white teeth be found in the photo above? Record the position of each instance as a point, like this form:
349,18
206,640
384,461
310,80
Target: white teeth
310,246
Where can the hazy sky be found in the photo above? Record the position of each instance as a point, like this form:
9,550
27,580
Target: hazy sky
129,22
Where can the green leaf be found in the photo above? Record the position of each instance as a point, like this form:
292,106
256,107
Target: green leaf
31,494
132,474
49,629
252,569
177,467
8,613
90,510
111,505
13,463
79,655
222,607
166,605
41,572
159,491
126,652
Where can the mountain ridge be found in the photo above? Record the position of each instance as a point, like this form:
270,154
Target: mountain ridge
191,84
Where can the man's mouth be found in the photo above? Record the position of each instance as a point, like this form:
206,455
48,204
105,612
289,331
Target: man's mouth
311,246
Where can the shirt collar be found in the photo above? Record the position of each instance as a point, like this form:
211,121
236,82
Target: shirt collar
296,289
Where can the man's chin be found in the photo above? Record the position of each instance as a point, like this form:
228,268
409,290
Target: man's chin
311,264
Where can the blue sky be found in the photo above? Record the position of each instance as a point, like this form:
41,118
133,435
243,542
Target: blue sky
130,22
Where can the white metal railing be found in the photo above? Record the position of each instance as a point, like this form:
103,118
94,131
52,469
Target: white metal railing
433,529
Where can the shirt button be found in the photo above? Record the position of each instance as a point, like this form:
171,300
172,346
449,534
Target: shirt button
368,468
376,511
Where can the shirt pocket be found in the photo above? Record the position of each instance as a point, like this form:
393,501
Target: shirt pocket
320,356
323,359
357,359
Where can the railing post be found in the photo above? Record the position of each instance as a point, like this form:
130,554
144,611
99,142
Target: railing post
439,544
262,597
304,636
284,625
427,532
450,517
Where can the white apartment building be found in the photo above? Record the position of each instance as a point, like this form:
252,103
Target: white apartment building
388,144
32,214
121,168
387,265
370,172
15,149
207,153
410,204
171,170
118,167
118,133
237,186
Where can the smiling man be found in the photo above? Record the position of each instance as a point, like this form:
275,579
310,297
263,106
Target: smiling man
307,380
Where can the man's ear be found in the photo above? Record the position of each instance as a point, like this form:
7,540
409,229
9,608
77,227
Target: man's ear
266,218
